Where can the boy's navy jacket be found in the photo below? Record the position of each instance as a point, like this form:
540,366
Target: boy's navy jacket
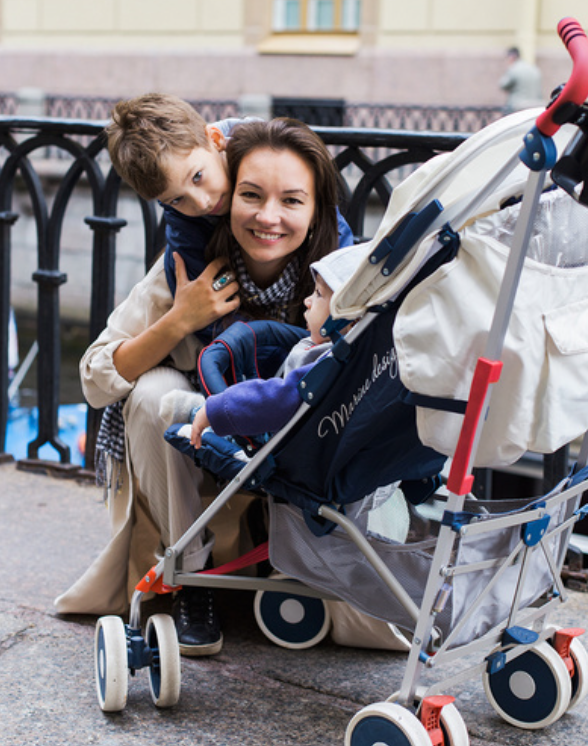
189,236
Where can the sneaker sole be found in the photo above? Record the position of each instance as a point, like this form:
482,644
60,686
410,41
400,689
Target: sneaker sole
195,651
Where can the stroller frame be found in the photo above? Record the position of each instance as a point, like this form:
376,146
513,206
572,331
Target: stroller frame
421,716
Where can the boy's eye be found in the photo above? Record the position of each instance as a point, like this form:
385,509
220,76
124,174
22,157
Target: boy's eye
175,201
197,177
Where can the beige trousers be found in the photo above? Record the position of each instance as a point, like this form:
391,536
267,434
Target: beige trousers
167,481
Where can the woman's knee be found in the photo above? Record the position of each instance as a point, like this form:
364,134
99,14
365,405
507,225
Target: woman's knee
145,400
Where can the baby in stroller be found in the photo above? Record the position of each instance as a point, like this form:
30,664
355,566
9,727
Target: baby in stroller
257,406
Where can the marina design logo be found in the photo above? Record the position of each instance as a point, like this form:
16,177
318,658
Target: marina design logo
385,364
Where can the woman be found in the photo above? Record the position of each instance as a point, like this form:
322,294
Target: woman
283,217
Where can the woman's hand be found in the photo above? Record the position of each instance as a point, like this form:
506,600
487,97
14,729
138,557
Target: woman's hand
197,304
199,425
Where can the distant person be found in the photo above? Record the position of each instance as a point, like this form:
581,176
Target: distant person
522,82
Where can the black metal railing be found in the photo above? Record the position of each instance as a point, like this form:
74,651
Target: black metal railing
24,144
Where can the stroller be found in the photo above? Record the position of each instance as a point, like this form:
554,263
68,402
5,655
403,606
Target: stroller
413,390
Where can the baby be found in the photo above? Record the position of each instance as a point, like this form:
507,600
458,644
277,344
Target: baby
260,406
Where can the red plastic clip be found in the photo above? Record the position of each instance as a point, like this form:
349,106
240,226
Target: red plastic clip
430,716
562,641
151,583
486,373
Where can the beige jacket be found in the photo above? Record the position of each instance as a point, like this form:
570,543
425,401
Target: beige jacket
107,585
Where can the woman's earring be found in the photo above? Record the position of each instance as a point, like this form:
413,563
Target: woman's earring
310,235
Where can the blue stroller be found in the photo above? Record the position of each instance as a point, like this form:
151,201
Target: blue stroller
401,398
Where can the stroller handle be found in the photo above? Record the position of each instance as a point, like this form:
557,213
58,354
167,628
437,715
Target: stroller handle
575,90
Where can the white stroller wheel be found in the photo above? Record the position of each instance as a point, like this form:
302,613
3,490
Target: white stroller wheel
111,664
580,678
532,690
164,669
291,621
579,655
454,727
386,724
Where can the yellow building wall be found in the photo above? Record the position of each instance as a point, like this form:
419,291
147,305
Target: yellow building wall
122,24
234,24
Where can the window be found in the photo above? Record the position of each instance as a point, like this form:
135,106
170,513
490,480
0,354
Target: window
311,16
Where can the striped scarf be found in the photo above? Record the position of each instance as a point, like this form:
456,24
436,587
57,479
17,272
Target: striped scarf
277,298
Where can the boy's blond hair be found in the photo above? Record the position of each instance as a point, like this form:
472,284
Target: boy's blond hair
144,131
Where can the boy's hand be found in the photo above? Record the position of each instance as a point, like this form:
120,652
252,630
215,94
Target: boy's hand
199,426
197,303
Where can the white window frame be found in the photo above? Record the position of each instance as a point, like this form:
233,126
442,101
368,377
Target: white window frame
345,17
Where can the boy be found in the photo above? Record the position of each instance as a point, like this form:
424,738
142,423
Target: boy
259,406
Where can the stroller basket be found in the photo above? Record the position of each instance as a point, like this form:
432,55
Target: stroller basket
333,564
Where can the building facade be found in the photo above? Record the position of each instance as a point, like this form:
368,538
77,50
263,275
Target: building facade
436,52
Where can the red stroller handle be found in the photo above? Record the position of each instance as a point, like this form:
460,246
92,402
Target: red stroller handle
575,90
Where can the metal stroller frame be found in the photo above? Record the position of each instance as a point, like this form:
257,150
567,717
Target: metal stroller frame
522,643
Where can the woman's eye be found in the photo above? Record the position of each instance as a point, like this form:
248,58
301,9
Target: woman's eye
293,201
249,195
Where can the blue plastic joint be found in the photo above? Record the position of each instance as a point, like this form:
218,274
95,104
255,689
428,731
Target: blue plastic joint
534,531
539,152
456,520
423,657
519,636
496,662
139,653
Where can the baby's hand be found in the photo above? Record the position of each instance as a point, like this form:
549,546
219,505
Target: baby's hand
199,426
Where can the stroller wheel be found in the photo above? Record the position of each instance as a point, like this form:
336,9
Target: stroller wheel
453,727
291,621
111,664
579,678
532,690
164,669
388,724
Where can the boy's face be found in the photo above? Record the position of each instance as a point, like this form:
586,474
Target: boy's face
198,182
317,309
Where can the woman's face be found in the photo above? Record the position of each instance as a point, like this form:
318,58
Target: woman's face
272,210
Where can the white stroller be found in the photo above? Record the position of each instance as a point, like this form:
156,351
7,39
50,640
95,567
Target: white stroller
471,345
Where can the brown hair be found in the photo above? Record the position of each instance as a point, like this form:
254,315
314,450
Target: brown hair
288,134
146,129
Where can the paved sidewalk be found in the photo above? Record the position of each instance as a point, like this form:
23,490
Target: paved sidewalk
252,694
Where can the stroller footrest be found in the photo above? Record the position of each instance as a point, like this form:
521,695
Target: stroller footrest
519,636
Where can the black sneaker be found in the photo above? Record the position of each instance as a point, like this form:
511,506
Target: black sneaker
196,622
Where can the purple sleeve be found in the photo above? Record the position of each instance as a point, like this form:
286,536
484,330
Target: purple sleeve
256,406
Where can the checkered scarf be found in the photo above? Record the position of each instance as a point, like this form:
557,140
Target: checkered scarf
110,442
277,298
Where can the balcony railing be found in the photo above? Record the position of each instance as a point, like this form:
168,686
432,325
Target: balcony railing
24,145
